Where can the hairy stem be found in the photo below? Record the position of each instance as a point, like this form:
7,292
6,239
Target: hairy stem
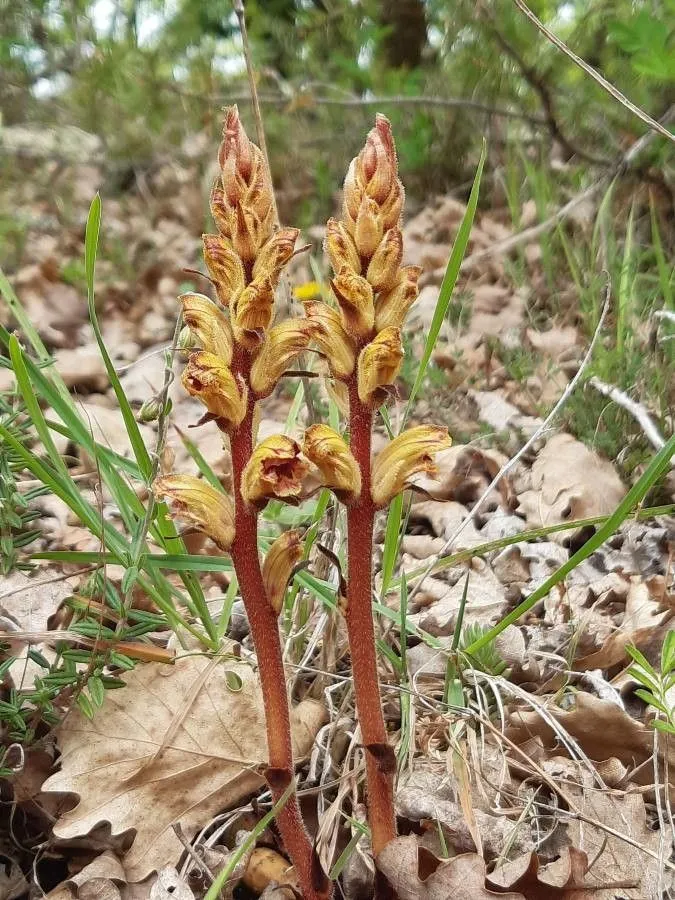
265,633
380,760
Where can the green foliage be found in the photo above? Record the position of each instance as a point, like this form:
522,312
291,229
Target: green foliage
657,685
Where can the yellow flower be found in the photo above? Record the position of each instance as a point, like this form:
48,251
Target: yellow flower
331,455
355,297
207,508
411,452
280,564
224,267
392,307
379,364
208,324
252,313
209,379
340,248
275,470
384,266
332,339
309,290
283,343
275,254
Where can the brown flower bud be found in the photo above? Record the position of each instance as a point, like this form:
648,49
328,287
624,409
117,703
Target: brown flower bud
208,324
224,267
276,470
391,308
368,228
281,560
275,253
378,366
281,346
252,313
411,452
383,268
332,339
355,297
207,508
331,455
209,379
340,248
374,175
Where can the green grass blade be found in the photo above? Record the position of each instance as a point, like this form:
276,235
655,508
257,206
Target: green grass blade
392,540
657,466
449,280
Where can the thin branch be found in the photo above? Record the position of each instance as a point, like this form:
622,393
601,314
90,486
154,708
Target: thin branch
636,410
506,468
596,76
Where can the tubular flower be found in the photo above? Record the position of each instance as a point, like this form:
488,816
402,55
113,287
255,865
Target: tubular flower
409,453
332,339
224,267
378,366
209,379
275,254
283,343
368,228
242,204
252,313
340,248
384,266
392,307
275,470
280,562
355,298
331,455
208,324
207,508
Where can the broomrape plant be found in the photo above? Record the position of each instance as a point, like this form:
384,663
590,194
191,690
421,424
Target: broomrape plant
242,356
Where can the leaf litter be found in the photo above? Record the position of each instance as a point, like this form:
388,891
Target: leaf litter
543,781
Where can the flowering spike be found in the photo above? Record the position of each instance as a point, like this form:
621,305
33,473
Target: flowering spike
283,343
331,455
332,339
207,508
280,562
378,366
355,297
208,324
224,267
409,453
209,379
275,470
391,308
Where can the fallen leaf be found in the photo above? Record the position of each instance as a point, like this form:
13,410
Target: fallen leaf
210,762
415,874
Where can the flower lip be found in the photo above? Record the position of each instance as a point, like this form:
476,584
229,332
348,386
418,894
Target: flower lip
276,470
210,380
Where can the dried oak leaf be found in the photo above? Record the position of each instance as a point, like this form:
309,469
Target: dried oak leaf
416,874
569,481
175,745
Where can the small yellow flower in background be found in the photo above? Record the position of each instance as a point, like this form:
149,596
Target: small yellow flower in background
224,267
207,508
252,313
310,290
275,471
330,454
355,298
384,266
378,366
332,339
208,324
340,248
282,344
209,379
391,308
411,452
275,254
280,562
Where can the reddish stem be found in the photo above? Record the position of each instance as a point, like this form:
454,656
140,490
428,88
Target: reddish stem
264,626
380,760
